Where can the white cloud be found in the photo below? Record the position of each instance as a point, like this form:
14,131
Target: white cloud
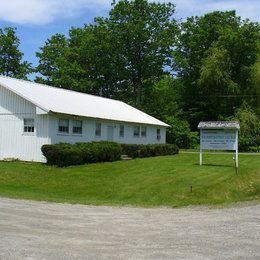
47,11
244,8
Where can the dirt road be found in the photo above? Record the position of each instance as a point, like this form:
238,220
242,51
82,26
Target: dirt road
38,230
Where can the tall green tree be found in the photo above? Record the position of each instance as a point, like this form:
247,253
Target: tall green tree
120,56
143,34
11,63
89,64
214,57
48,57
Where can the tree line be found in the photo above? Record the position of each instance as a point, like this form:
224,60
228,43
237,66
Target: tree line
203,68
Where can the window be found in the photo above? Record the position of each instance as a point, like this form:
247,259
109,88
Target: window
121,130
77,127
28,125
158,134
98,129
143,131
64,125
136,131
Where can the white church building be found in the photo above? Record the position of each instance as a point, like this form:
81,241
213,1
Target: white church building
32,115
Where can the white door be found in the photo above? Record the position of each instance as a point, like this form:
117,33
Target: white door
110,133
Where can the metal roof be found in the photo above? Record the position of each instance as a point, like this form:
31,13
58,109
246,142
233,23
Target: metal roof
219,125
69,102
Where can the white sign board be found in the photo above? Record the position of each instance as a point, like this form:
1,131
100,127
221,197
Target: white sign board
219,139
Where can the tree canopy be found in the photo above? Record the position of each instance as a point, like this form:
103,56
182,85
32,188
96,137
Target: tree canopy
120,56
215,56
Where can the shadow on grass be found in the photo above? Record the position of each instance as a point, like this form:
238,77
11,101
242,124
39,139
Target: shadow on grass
215,165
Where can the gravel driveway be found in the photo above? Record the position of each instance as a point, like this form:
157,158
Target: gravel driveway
39,230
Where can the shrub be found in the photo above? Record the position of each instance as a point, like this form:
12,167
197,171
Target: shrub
179,133
254,149
100,151
64,154
150,150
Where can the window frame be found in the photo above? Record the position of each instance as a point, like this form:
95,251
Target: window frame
29,126
121,133
77,127
59,125
134,133
143,133
98,130
158,134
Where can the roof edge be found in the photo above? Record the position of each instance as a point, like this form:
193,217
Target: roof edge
218,125
107,119
24,97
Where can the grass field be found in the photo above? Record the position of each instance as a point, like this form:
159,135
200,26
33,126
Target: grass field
159,181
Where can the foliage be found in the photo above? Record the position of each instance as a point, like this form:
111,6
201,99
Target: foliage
166,105
64,154
100,151
214,57
147,182
179,133
120,56
150,150
48,57
249,134
254,149
11,63
144,33
164,99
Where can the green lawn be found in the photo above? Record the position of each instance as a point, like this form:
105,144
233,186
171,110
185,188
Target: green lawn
159,181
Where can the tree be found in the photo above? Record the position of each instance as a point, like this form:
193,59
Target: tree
254,83
48,59
249,134
214,57
164,98
143,34
121,56
11,63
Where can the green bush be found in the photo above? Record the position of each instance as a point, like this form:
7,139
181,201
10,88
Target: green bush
179,133
150,150
254,149
100,151
64,154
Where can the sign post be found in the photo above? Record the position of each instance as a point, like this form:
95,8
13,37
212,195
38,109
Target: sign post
236,165
200,148
219,136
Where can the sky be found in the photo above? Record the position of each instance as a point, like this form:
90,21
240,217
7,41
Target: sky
37,20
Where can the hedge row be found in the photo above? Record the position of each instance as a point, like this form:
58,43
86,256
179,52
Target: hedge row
64,154
150,150
254,149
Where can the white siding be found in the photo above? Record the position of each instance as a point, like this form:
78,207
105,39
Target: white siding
14,143
88,132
